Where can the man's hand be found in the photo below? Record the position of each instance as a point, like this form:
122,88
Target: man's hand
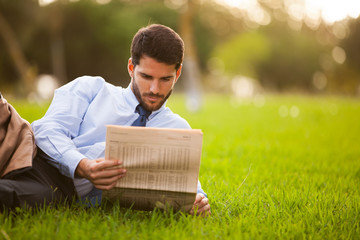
201,205
100,172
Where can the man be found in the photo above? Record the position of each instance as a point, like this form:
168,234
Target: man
71,135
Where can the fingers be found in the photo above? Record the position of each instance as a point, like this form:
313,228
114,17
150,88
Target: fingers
105,187
101,172
199,197
101,168
201,205
104,163
107,180
107,183
204,211
107,173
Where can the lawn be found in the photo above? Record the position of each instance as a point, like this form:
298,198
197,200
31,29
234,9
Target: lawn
278,167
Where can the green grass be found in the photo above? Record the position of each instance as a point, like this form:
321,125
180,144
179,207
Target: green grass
267,177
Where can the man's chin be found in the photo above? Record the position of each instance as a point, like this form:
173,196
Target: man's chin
152,106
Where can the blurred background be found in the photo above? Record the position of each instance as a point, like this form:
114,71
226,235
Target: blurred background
240,47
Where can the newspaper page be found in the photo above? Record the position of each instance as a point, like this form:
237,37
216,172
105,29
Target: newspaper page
162,166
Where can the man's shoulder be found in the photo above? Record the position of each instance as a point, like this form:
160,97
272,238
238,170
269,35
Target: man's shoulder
89,81
86,83
172,120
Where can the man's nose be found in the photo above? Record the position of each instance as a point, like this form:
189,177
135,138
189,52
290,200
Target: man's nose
154,87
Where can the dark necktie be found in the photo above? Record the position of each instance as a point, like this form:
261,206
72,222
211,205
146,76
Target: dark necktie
141,120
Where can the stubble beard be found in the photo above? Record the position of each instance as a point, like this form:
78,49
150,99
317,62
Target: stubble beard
142,102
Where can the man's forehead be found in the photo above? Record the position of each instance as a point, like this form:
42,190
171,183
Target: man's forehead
149,66
146,58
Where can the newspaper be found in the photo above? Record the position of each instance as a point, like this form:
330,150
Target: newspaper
162,166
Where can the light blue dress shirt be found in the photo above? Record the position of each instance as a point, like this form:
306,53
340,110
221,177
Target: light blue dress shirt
74,127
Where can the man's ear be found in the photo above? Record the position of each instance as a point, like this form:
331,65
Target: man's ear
178,73
131,68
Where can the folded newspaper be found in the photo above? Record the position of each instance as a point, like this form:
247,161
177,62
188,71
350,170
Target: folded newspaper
162,166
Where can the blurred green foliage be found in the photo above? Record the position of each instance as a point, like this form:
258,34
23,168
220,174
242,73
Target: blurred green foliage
101,36
294,58
243,53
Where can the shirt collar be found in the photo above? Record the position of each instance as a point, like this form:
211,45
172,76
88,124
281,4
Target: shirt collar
131,99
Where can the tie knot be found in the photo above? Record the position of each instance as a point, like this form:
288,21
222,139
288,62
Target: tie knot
142,112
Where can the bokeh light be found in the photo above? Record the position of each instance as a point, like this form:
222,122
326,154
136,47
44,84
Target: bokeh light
46,85
319,80
294,111
339,55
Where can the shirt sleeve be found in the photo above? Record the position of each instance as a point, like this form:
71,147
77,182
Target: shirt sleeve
62,121
199,189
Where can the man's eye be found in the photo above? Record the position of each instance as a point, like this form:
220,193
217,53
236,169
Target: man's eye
146,76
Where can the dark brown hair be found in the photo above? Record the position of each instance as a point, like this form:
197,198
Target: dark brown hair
158,42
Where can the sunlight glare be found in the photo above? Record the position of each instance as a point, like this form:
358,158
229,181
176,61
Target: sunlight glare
45,2
253,9
243,4
103,2
175,4
310,11
297,12
332,11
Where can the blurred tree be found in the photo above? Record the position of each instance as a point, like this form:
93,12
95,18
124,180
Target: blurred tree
293,60
351,44
54,14
191,71
26,72
279,57
346,77
97,37
70,39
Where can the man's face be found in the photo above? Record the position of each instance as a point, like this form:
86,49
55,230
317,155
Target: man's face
152,82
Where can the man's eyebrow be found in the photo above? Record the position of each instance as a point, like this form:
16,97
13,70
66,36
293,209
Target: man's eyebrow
144,74
147,75
170,76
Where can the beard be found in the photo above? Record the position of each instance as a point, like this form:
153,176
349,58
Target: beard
146,106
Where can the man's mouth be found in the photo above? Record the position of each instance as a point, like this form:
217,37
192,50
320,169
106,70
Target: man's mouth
153,97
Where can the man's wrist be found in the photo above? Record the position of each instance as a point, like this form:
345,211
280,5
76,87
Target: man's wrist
79,171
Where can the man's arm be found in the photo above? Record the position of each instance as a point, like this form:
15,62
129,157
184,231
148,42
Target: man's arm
56,131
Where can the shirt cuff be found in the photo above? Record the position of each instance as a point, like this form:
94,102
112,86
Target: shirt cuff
69,162
199,189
